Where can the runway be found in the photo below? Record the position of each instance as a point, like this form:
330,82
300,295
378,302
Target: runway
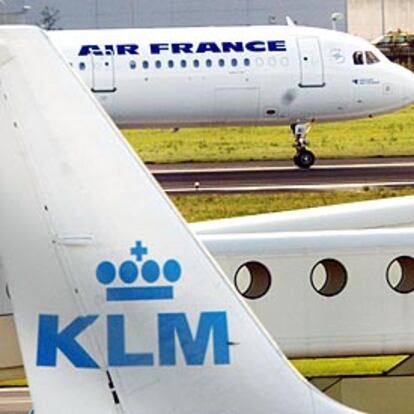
274,176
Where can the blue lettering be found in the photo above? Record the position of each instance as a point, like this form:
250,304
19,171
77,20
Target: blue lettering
178,48
127,49
173,329
277,46
256,46
171,325
208,47
109,50
95,50
50,341
90,50
182,48
157,48
212,47
232,47
117,356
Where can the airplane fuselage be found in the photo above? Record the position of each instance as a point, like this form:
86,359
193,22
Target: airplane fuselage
269,75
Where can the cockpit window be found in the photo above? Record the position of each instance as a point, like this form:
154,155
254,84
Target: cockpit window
358,58
371,58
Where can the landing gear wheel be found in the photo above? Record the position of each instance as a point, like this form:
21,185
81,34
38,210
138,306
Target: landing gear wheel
304,159
296,160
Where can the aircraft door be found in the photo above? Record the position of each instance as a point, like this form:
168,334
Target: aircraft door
103,73
311,63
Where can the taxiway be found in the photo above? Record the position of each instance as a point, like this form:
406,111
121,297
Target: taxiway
282,176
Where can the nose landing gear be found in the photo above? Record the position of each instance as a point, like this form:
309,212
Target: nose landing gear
304,158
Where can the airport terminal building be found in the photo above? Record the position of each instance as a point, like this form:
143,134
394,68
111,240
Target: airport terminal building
158,13
366,18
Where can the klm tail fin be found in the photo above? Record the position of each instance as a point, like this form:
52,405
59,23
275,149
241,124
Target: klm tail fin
118,307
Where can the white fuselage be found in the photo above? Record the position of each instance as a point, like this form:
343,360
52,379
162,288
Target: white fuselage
268,75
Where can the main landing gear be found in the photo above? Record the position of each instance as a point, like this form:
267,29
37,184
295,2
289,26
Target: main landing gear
304,158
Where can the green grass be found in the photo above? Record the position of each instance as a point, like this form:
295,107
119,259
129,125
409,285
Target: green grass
388,135
14,383
209,207
343,367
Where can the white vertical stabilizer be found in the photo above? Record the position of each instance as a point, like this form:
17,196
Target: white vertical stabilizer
118,307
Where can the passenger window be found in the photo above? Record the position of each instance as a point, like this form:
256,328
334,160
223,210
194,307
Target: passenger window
183,63
222,63
170,64
133,64
234,62
272,62
145,64
196,63
284,61
371,58
246,62
358,58
158,64
82,65
209,63
259,62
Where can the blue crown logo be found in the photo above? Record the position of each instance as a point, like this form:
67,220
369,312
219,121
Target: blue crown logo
129,273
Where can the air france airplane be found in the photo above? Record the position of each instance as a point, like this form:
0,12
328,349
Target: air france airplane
118,307
274,75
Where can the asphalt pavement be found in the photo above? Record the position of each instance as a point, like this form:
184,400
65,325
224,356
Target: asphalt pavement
276,176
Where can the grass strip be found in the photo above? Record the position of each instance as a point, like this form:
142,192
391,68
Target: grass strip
14,383
388,135
210,207
345,367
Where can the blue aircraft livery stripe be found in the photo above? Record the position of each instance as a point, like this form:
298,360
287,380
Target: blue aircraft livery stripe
139,293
